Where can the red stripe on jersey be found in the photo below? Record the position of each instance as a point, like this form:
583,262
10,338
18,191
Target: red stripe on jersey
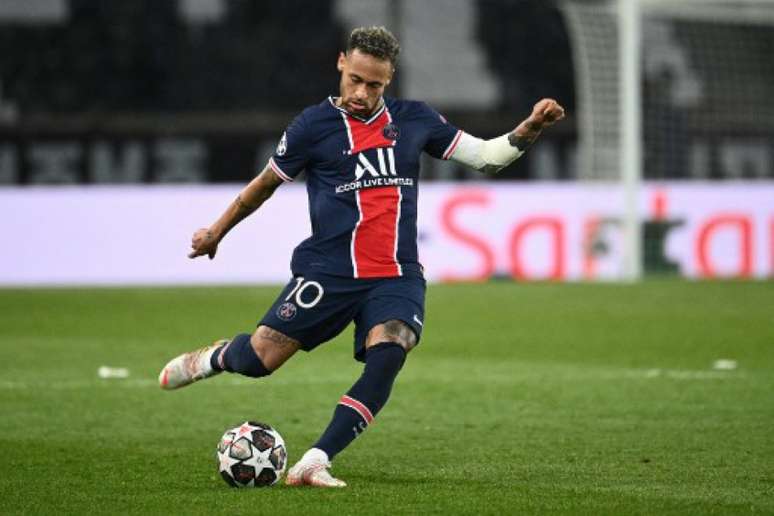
369,135
452,146
357,407
375,237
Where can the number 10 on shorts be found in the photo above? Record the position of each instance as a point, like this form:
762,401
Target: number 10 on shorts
302,286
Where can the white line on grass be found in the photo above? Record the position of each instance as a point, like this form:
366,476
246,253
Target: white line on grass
515,375
150,383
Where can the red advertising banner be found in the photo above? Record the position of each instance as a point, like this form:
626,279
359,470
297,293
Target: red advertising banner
467,232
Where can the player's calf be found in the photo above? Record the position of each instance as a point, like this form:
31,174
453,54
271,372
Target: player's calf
355,411
243,354
238,356
357,408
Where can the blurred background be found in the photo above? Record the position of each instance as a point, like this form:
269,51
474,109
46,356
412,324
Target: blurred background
126,125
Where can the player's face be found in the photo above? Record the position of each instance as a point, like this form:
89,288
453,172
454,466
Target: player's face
363,80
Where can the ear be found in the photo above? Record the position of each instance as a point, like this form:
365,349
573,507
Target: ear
342,61
389,79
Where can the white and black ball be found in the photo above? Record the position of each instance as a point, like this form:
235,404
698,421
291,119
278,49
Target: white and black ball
251,455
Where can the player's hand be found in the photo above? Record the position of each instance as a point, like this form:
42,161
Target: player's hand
203,242
546,113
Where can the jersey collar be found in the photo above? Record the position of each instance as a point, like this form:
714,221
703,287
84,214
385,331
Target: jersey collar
364,120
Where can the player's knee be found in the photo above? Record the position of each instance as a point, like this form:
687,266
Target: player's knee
393,331
272,347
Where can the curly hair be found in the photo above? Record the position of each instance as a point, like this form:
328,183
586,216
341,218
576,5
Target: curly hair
375,41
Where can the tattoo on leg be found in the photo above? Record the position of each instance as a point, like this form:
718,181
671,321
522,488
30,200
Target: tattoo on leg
400,332
280,339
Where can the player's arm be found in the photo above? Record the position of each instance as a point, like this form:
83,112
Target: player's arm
252,196
491,156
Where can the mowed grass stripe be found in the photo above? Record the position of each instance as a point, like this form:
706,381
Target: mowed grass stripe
521,399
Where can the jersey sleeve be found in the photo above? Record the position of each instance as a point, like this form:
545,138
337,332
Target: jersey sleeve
291,155
442,136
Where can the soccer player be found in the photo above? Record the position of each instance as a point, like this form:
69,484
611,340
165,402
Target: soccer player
361,153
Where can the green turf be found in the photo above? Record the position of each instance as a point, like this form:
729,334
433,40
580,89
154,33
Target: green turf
522,399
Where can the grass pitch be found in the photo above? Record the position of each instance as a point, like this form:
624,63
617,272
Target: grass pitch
521,399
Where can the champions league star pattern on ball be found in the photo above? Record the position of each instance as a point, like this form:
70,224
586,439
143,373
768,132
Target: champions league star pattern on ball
251,455
362,179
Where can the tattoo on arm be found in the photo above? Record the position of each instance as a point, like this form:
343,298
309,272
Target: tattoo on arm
243,206
524,135
249,200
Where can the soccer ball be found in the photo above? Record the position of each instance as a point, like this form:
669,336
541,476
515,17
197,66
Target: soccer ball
251,455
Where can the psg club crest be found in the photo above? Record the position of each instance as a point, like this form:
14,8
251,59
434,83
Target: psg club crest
286,311
391,132
282,146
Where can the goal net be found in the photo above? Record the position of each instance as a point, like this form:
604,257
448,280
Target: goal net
672,90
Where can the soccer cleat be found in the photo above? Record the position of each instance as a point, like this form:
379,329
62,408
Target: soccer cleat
189,367
312,470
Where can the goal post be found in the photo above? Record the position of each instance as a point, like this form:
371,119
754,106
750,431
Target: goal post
606,43
671,90
630,134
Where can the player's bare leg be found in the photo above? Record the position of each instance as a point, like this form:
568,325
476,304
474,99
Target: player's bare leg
391,341
392,331
255,356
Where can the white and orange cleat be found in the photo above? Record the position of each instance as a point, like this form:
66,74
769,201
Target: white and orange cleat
312,470
189,367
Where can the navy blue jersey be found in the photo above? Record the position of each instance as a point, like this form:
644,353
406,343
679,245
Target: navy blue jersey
362,177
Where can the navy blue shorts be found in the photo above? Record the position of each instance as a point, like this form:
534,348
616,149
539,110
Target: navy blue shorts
315,308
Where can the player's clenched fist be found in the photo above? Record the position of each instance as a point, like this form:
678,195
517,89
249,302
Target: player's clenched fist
546,112
203,242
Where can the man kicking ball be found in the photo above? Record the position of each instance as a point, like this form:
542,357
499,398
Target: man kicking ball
361,153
